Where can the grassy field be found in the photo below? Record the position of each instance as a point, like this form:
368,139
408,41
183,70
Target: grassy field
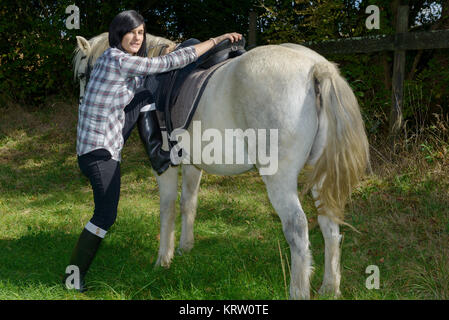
401,211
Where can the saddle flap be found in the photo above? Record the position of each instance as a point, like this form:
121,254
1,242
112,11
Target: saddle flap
178,92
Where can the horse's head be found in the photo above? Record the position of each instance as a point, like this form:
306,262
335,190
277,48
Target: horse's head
159,49
82,64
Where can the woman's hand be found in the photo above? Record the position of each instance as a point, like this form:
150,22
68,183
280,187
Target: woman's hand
168,49
203,47
233,36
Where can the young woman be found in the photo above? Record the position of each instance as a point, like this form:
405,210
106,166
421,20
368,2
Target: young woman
109,112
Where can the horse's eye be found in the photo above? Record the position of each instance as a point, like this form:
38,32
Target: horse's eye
81,75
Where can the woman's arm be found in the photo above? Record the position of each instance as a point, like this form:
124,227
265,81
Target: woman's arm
131,66
205,46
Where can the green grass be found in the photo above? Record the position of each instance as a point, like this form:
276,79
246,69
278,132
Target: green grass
401,211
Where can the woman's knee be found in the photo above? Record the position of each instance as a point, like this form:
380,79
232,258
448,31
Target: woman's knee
105,212
106,194
104,219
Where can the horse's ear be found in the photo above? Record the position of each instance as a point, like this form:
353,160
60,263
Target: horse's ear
83,44
171,47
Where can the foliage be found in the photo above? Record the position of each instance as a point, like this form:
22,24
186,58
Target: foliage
34,52
203,19
36,47
435,77
369,74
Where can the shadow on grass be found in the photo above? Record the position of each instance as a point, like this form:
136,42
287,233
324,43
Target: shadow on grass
40,259
38,150
36,257
216,268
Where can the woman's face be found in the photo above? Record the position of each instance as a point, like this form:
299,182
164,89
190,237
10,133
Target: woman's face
132,41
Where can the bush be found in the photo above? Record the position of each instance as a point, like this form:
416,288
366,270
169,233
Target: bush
36,54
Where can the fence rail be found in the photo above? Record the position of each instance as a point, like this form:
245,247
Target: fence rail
401,41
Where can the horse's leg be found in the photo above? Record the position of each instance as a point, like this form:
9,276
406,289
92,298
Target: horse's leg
191,177
332,237
168,190
283,195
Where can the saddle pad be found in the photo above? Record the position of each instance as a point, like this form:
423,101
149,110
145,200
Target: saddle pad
190,93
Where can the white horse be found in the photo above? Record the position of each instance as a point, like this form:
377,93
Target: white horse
292,89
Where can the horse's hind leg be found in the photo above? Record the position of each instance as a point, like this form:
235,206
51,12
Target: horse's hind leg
191,177
168,190
332,237
283,195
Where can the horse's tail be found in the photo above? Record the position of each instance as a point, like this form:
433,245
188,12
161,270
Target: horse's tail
345,150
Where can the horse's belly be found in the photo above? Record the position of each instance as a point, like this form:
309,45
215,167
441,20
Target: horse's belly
225,169
215,151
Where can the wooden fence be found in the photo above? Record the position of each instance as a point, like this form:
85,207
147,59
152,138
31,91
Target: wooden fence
400,42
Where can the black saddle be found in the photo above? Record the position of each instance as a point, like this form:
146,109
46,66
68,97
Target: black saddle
221,52
166,86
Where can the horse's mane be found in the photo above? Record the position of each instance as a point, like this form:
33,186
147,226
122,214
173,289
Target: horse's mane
100,43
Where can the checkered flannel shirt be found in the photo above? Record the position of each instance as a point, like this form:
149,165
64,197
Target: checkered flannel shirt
115,77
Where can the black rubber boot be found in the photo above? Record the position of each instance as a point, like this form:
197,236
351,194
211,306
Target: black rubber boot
150,134
83,255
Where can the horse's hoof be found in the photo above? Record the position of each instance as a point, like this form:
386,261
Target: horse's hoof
328,290
182,249
297,294
160,263
179,252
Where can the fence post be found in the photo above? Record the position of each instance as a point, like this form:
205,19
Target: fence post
398,76
252,29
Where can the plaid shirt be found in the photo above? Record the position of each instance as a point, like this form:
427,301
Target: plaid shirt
115,77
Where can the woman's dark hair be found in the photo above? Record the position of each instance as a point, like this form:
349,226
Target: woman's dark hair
123,23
